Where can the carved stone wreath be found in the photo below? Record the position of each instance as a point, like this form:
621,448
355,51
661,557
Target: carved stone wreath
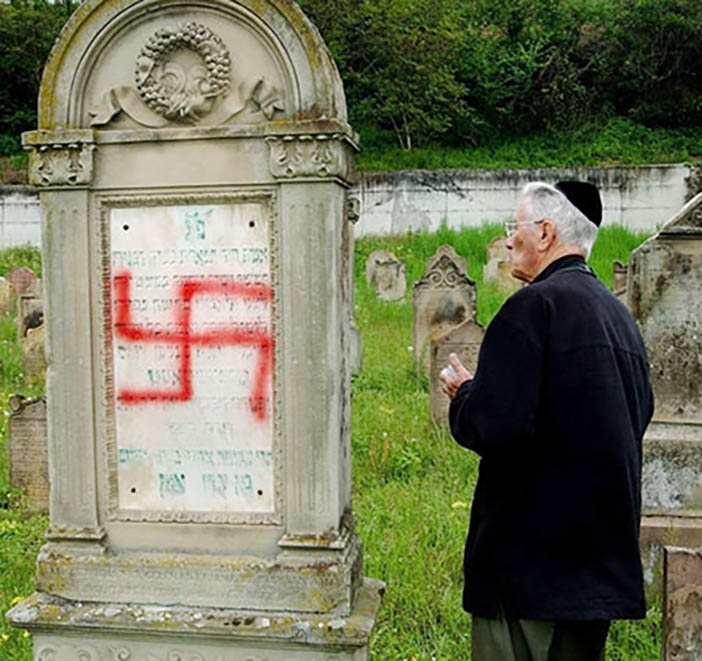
167,87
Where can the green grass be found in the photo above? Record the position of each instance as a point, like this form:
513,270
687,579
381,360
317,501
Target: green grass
412,485
615,142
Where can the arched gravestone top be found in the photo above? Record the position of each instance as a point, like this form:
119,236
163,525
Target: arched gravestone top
206,65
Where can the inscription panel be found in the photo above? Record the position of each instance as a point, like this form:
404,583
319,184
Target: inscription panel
192,353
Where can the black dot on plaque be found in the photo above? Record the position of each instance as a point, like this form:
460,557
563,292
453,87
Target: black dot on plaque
252,223
125,227
133,489
260,493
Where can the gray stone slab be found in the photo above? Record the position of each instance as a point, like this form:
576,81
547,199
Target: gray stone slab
682,616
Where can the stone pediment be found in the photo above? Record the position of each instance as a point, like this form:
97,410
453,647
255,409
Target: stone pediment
687,222
446,269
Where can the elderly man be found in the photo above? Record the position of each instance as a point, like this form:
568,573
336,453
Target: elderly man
556,410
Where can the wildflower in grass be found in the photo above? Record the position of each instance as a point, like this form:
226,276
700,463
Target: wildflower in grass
26,634
461,505
5,637
16,600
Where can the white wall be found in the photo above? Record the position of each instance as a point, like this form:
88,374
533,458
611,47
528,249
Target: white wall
640,198
20,218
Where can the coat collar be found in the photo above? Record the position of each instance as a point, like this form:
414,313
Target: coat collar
561,263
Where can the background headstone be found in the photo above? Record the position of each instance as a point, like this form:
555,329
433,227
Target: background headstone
498,267
8,298
372,262
682,604
464,340
389,279
444,298
665,298
34,354
21,279
619,272
29,467
30,313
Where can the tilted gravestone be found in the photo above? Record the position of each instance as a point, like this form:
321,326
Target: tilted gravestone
464,340
665,297
30,310
682,604
444,298
498,267
29,466
193,162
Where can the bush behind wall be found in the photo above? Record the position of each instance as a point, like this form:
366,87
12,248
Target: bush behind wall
453,72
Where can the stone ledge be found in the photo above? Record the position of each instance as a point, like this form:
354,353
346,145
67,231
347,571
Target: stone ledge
41,612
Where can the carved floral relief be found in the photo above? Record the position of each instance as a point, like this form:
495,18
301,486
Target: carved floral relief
183,76
61,164
307,156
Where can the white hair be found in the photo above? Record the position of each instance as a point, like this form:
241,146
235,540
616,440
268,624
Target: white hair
541,200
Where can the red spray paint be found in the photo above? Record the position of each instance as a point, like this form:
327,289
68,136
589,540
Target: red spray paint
127,330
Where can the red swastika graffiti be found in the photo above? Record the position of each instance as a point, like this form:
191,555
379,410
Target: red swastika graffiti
185,338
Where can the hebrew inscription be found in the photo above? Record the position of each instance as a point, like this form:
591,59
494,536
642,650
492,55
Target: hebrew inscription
193,357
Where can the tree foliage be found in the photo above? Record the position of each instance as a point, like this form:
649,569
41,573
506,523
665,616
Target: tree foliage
454,72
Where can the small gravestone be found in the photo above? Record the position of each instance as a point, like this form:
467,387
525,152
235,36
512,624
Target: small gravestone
498,268
34,354
682,604
8,298
389,279
444,298
21,279
372,261
619,276
463,340
665,298
30,313
29,466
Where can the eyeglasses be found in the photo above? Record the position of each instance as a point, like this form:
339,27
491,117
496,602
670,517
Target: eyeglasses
511,226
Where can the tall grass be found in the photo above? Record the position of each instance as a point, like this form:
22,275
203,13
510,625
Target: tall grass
412,485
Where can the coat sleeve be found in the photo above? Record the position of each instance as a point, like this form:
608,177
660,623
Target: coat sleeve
496,411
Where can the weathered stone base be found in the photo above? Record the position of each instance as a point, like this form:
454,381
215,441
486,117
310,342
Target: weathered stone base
73,631
314,581
658,532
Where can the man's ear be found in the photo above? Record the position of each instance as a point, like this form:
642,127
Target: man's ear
548,234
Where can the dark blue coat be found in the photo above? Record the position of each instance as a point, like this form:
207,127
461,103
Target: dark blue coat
557,411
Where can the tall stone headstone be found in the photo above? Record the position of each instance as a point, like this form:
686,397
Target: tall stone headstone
193,162
665,297
29,466
444,298
464,340
682,604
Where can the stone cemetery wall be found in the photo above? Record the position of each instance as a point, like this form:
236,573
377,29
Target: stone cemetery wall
394,202
442,299
464,340
29,467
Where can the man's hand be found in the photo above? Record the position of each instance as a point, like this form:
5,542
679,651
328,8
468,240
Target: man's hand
453,376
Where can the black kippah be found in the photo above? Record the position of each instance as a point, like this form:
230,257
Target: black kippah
585,197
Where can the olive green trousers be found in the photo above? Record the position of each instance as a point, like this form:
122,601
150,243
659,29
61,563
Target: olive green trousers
538,640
